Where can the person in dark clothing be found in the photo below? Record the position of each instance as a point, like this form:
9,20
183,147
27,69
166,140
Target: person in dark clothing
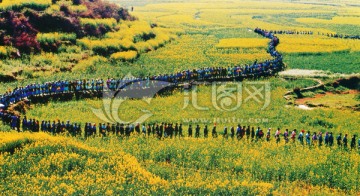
301,137
100,128
108,129
180,130
326,139
78,130
345,141
117,129
37,126
206,131
232,132
171,130
87,129
331,139
137,128
48,127
214,133
338,139
122,129
148,130
261,134
14,122
353,142
248,133
113,129
243,131
93,130
62,127
153,130
24,124
58,128
225,133
166,130
238,132
18,125
190,131
252,133
157,130
176,130
197,131
268,134
161,130
67,126
127,130
320,138
53,127
43,126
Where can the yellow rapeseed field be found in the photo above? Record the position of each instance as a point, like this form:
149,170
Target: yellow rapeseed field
138,165
126,56
334,20
242,43
315,44
174,36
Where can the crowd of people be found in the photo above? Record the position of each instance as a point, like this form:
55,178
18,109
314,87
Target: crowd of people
290,32
171,130
237,72
333,35
161,130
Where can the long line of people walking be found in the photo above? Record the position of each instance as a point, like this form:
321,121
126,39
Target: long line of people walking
237,72
176,130
332,35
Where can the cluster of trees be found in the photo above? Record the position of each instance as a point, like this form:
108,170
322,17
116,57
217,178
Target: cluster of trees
20,28
15,30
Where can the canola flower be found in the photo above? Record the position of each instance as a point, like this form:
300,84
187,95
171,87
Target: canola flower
43,164
334,20
54,37
315,44
242,43
138,166
106,22
133,36
126,56
5,51
10,4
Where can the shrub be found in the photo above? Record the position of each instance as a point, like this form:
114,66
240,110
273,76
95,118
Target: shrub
18,32
52,41
17,5
106,22
100,9
106,47
53,37
124,56
89,64
142,47
78,8
7,51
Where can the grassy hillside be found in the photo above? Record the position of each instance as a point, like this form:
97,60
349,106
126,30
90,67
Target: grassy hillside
40,38
89,36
